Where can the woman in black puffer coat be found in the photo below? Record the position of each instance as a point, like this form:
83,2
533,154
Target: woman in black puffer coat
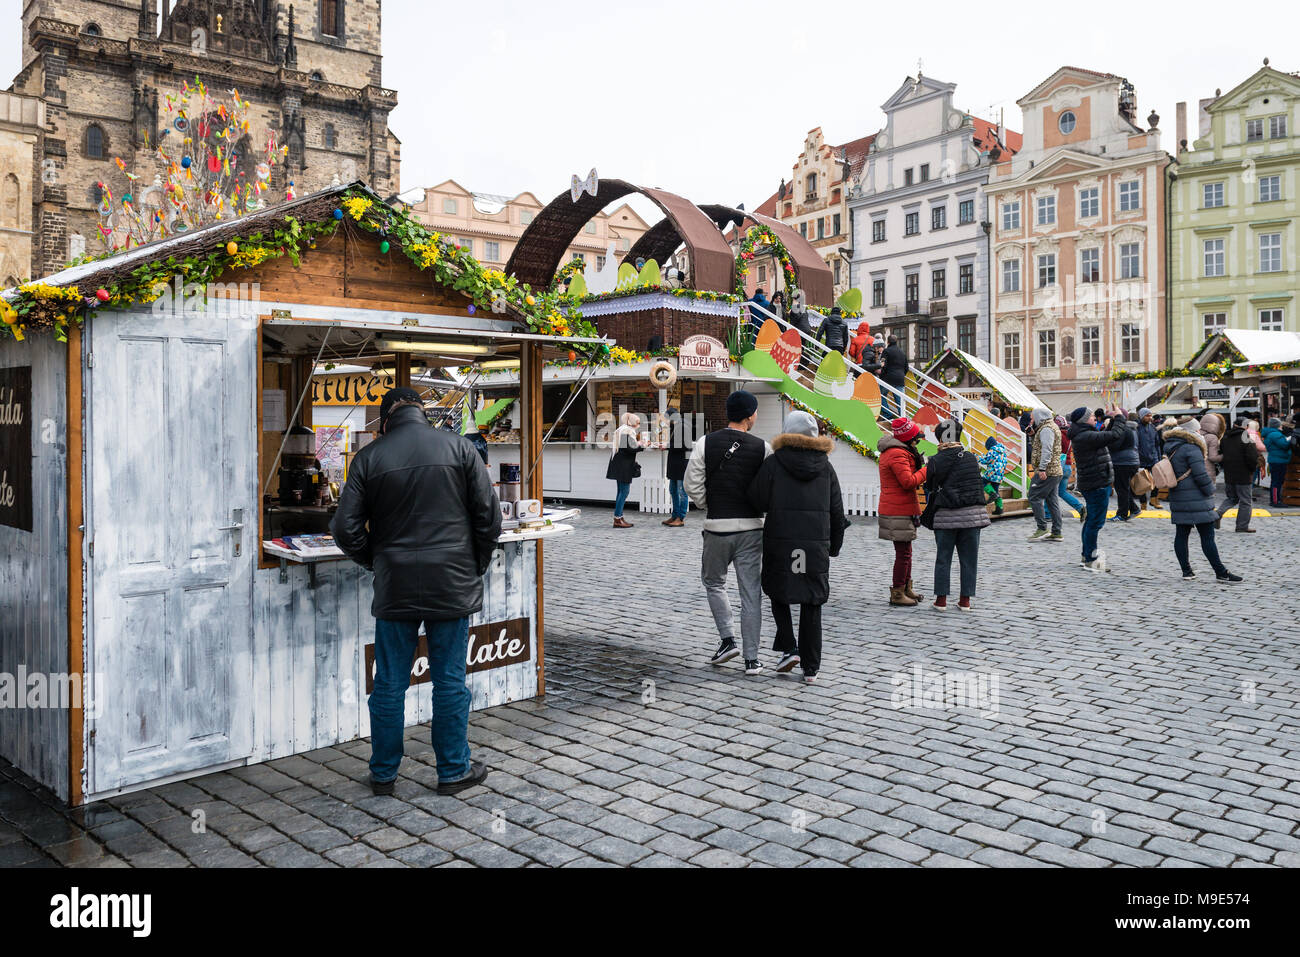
953,480
799,491
1191,501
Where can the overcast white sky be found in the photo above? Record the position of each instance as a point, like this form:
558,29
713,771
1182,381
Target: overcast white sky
712,99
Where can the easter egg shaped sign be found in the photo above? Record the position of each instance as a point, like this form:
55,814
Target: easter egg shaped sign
867,390
767,336
832,372
787,350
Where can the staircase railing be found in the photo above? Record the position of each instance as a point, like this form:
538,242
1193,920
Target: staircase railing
921,390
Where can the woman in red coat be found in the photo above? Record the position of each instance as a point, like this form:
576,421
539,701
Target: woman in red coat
902,471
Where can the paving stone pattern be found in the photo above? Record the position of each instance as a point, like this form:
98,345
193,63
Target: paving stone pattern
1136,720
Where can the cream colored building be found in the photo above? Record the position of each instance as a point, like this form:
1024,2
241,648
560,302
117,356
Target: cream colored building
489,226
22,119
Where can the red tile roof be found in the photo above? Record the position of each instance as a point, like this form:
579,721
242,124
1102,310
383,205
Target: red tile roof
855,151
986,134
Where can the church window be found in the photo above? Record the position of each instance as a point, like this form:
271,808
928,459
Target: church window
329,17
95,142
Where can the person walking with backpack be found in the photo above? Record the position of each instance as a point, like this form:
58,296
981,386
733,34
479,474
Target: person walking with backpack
1191,501
1045,460
1094,474
955,500
902,472
799,492
1279,449
1240,462
722,466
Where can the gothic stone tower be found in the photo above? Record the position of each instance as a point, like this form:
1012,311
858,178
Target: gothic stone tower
311,70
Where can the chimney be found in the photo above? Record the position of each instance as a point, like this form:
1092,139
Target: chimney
1180,123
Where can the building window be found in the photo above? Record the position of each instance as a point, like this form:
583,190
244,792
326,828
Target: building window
810,188
966,336
450,206
1214,259
1277,127
329,136
1011,215
1046,270
803,230
525,217
1270,320
91,30
1254,130
1214,323
835,221
575,257
1011,350
877,292
1270,252
762,274
925,172
329,18
1046,348
821,227
877,230
965,278
1130,342
1212,195
492,251
912,292
835,267
1046,210
938,283
95,142
1130,261
1011,275
1089,202
1130,196
590,228
939,217
1066,123
911,224
466,244
624,244
600,263
907,176
1270,188
1090,343
966,212
1090,265
931,340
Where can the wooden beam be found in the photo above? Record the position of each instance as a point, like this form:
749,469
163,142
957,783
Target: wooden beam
530,396
76,567
403,370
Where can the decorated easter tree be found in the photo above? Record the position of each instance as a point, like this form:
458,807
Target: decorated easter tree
209,164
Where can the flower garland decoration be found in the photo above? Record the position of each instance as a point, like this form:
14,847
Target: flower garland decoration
1212,371
700,295
846,437
763,237
845,314
566,272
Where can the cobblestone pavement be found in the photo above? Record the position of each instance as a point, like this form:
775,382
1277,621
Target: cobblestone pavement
1135,720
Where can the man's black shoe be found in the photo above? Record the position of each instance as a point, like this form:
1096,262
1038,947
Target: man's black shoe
477,772
726,651
382,787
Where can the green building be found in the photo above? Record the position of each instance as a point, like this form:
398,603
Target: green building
1234,214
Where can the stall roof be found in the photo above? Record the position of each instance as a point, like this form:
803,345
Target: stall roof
1005,382
1256,346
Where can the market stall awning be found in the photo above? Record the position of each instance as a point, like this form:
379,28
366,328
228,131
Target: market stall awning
1003,381
1256,347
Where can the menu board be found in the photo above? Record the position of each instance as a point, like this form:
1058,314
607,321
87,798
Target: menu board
331,443
16,447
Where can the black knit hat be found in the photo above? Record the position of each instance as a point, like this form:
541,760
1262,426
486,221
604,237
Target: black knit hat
741,405
390,399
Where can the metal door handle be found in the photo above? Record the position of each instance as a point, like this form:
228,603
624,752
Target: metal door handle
230,528
236,526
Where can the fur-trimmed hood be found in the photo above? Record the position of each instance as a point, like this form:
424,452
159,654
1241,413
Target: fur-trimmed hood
792,440
1180,433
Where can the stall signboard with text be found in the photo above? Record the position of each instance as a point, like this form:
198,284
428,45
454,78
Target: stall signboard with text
16,448
703,354
494,645
362,388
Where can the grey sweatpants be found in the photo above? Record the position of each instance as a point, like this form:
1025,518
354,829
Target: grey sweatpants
744,550
1238,495
1042,497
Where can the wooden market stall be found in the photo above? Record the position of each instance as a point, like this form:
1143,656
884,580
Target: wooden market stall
159,487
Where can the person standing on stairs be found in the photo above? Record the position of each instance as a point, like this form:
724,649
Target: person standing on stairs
893,371
902,472
718,476
799,492
834,332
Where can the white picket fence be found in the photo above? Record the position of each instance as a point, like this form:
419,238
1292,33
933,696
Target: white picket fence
654,497
861,499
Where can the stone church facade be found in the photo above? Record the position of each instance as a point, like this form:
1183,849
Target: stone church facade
103,68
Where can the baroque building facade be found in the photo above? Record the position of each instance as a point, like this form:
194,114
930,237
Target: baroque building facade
312,72
1235,214
1079,228
920,227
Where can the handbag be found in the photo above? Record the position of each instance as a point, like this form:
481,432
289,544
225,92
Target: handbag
931,506
1142,483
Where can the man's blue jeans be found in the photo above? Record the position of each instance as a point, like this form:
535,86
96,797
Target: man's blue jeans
681,503
395,644
1097,501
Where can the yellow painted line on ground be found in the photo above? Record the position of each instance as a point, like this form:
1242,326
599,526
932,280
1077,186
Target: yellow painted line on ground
1158,513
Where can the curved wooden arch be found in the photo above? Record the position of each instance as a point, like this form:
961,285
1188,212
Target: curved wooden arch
541,248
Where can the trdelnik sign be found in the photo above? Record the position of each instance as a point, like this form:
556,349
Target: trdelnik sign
703,354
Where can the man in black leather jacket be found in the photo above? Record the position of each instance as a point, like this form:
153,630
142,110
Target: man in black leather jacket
419,509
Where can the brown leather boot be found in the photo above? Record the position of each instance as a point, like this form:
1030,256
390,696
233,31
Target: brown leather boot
910,592
898,597
621,523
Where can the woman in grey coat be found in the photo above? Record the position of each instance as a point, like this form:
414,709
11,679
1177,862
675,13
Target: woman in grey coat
1191,501
954,481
